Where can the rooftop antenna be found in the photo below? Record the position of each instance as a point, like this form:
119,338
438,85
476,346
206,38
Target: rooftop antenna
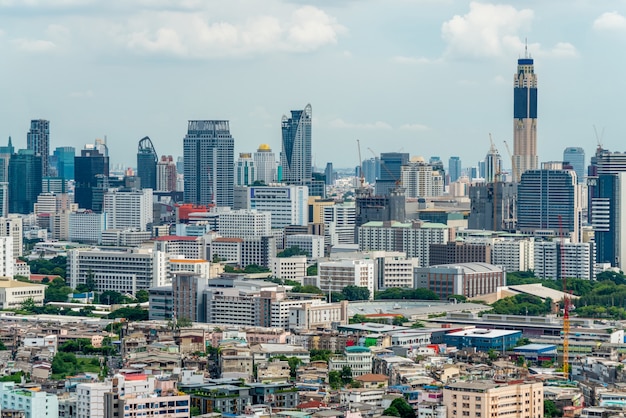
525,47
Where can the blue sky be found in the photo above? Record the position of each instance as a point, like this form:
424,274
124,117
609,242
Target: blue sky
428,77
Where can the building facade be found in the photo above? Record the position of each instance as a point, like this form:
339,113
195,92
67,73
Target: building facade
265,164
147,164
38,140
24,181
467,279
129,209
295,158
91,174
334,276
524,118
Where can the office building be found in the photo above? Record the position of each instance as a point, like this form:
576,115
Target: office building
5,155
38,141
287,204
524,118
12,226
295,158
391,207
334,276
493,206
208,150
14,293
312,244
513,254
166,174
161,303
64,158
454,168
35,402
419,179
187,289
413,239
245,170
339,223
86,227
123,271
91,174
575,157
7,260
188,247
556,260
147,164
390,171
289,268
549,200
486,398
265,164
468,279
24,181
243,252
395,270
454,252
129,209
371,170
4,199
244,223
329,174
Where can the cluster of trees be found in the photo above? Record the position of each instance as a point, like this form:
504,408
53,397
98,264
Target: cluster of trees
54,267
291,251
522,305
400,408
83,346
397,320
400,293
67,364
131,313
249,269
340,378
351,293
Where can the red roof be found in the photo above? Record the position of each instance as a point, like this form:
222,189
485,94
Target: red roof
310,405
40,277
176,238
228,240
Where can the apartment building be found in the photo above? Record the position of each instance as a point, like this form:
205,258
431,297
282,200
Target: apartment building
333,276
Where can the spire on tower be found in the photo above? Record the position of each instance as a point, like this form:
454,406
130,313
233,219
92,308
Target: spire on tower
525,47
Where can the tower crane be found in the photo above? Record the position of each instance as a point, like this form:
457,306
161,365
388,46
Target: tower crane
508,150
396,179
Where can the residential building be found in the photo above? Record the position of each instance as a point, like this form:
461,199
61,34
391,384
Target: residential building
24,181
7,259
419,179
187,289
333,276
38,141
91,174
34,402
358,358
524,118
14,293
147,164
86,227
467,279
265,164
166,174
295,157
129,209
244,223
312,244
318,316
413,239
161,303
187,247
454,252
514,254
395,271
91,397
12,226
125,237
493,165
339,223
123,271
289,268
244,251
556,260
287,204
208,150
167,402
4,198
245,170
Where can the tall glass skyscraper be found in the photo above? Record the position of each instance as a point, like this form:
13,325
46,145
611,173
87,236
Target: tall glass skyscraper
24,181
575,156
208,150
295,158
147,164
38,140
454,168
65,162
91,174
525,118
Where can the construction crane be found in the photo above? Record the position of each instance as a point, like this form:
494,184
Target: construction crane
566,304
361,175
508,150
396,179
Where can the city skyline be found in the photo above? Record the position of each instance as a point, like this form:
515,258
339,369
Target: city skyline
419,64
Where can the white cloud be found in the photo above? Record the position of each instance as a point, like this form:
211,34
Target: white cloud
33,45
487,30
341,124
564,49
416,127
610,21
195,35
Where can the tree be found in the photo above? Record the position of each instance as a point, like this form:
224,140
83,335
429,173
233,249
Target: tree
358,319
403,407
57,291
294,363
111,297
311,270
130,313
184,322
291,251
550,410
399,320
307,289
352,292
346,374
320,355
142,296
334,379
254,268
414,294
418,324
391,412
458,298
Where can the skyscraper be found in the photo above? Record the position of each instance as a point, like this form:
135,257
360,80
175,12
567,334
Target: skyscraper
454,168
575,156
245,170
5,156
493,165
295,158
91,174
524,118
265,163
390,171
38,140
329,174
65,162
24,181
166,174
208,150
146,163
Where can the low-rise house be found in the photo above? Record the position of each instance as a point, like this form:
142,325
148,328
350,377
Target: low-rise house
373,381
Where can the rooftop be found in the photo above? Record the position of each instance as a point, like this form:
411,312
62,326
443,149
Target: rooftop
483,333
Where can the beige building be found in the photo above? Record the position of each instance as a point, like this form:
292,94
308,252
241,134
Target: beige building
274,371
236,362
485,398
289,268
13,293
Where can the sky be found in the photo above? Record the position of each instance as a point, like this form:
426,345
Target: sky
427,77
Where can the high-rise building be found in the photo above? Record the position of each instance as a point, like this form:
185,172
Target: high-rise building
493,206
209,158
5,155
129,209
525,118
24,181
166,174
64,157
265,164
391,207
91,173
607,218
454,168
147,163
390,171
575,156
371,170
287,204
245,170
493,165
420,179
38,140
295,158
329,174
549,200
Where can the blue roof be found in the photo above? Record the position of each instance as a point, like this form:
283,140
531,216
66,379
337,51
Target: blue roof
538,348
357,349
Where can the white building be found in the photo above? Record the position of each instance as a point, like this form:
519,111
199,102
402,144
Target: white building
123,271
358,358
125,238
11,226
414,239
577,262
514,254
395,271
7,260
265,163
90,396
339,223
86,226
13,293
34,403
287,204
312,244
198,266
289,268
188,247
128,209
318,315
333,276
244,223
419,179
